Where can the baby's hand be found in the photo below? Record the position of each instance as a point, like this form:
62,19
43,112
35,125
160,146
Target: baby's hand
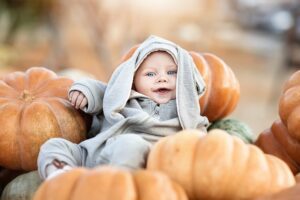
77,99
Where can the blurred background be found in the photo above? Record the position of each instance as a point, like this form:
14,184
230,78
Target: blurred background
258,39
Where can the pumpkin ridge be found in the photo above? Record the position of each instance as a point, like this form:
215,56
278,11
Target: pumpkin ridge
124,175
179,191
212,93
265,162
76,182
82,125
49,106
39,76
242,165
293,81
269,171
272,169
80,178
19,137
63,133
8,102
13,78
39,91
246,164
192,171
228,150
47,98
217,65
288,101
12,89
286,140
232,98
135,186
40,87
292,123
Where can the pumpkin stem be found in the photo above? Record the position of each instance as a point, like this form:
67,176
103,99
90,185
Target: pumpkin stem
26,96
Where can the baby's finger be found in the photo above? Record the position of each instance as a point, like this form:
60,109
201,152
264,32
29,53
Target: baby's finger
74,97
79,100
83,103
70,95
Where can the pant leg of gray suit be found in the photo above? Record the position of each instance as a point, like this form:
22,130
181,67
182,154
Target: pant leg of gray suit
62,150
128,151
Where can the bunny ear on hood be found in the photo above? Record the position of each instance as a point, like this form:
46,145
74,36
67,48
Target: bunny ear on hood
190,85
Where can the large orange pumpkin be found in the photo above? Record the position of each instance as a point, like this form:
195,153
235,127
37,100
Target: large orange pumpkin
108,183
222,87
219,166
33,108
278,142
289,105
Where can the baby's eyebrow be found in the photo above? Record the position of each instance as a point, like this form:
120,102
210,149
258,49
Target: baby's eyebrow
149,68
172,68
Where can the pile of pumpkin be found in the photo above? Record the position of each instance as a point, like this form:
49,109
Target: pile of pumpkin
187,165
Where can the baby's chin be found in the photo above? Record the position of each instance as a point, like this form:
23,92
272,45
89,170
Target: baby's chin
162,100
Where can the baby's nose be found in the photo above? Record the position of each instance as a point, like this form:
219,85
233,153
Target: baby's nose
162,78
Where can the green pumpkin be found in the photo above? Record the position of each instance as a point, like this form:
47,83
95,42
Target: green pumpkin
22,187
234,127
7,175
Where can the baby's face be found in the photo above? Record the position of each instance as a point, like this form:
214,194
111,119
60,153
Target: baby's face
156,77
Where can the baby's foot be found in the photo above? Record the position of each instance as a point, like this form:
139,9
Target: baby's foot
58,172
57,167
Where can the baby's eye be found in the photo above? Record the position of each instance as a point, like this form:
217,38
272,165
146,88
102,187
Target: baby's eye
172,72
150,74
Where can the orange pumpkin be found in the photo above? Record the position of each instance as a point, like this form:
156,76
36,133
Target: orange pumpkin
222,87
219,166
291,193
33,108
108,183
278,142
289,105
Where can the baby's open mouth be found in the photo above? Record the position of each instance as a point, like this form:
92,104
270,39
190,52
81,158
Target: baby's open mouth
162,90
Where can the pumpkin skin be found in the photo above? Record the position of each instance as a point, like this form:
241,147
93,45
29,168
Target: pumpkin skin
219,166
109,183
222,87
234,127
33,108
278,142
289,106
291,193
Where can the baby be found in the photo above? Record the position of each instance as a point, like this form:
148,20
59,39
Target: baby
153,94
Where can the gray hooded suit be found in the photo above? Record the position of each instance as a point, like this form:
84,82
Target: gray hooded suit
128,122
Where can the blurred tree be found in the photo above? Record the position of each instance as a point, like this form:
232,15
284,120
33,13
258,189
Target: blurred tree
74,36
24,13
